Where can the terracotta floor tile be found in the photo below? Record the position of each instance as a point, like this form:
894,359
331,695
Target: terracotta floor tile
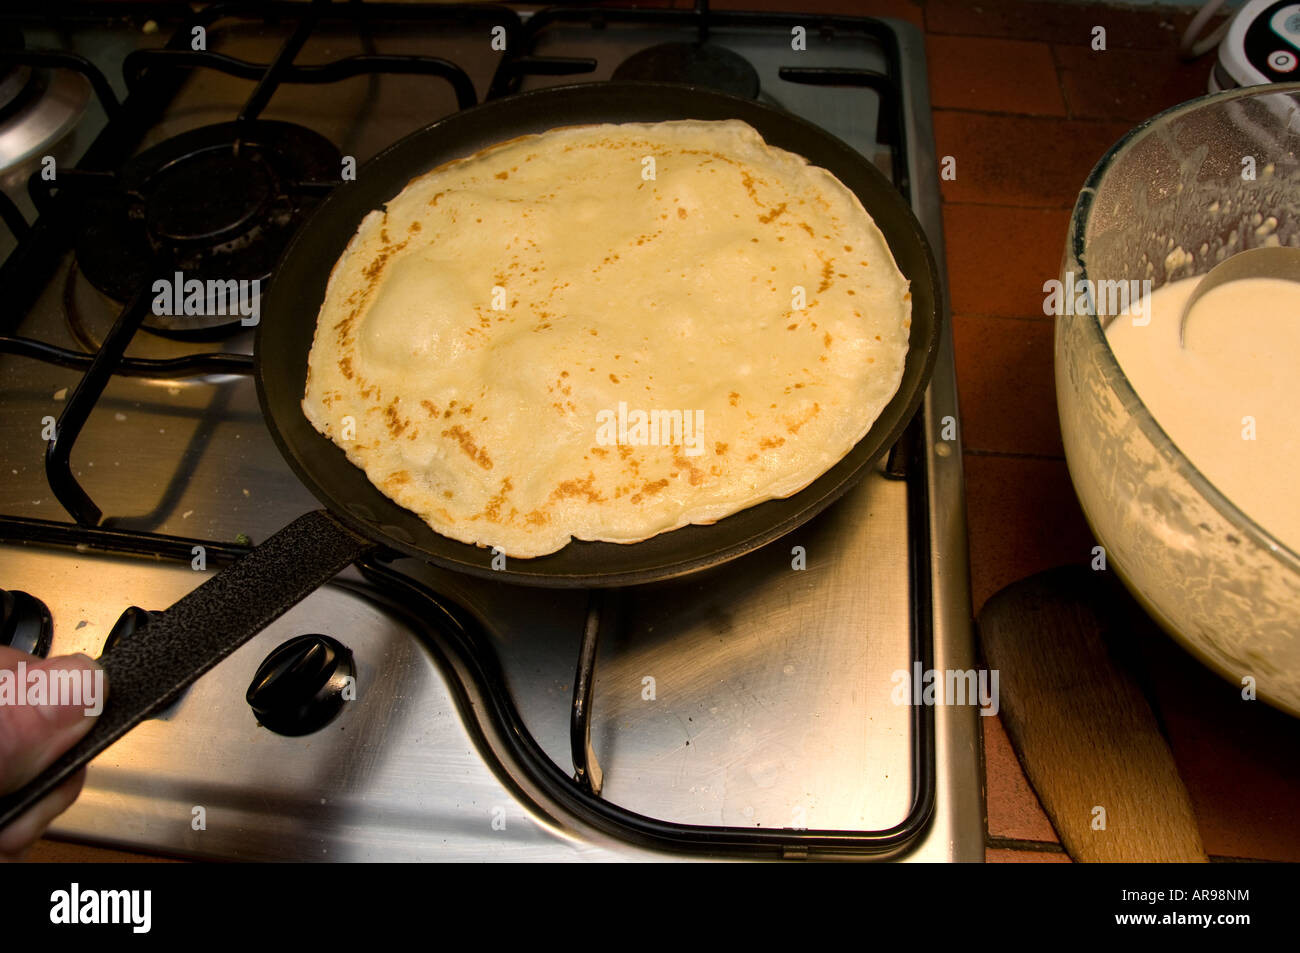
1023,517
993,75
1016,160
1127,84
1005,855
1240,760
47,851
999,257
1006,385
1014,811
1141,29
899,9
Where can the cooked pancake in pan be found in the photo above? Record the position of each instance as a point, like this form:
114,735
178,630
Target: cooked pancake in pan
606,333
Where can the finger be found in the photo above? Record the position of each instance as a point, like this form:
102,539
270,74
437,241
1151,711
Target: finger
24,831
34,728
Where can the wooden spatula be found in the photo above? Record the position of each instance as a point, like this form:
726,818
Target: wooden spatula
1079,723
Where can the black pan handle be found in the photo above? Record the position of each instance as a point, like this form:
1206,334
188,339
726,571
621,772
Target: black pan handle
148,670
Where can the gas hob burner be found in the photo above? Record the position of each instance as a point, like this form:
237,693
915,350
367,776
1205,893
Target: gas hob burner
216,204
38,107
696,64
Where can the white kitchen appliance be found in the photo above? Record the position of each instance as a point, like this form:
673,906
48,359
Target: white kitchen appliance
1261,45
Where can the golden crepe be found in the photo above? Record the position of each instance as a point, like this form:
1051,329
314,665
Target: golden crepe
607,332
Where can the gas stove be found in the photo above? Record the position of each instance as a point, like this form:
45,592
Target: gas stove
745,712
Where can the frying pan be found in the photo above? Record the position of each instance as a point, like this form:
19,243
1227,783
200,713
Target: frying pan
148,670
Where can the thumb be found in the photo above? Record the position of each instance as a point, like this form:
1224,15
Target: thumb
43,711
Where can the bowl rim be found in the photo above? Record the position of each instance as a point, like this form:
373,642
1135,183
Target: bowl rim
1115,375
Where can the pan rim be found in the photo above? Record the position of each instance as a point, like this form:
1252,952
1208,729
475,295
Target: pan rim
796,509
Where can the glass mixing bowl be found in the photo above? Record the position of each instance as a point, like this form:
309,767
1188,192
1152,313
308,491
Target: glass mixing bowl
1168,201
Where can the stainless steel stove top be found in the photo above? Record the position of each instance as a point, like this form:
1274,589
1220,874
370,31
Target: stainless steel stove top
756,697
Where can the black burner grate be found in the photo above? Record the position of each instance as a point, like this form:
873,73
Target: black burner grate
141,216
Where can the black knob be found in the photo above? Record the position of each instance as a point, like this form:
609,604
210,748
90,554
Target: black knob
132,620
302,685
25,623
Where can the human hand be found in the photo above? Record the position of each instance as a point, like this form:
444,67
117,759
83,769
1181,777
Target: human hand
32,736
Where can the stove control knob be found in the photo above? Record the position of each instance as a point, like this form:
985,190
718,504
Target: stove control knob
25,623
130,621
302,685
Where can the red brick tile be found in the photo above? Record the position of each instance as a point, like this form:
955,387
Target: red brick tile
1070,23
1014,810
1124,84
1006,385
999,257
1023,517
993,75
1014,160
1005,855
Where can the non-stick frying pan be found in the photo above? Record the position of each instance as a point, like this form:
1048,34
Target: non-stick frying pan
154,665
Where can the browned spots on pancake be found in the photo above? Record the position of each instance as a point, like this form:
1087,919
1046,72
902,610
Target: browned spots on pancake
681,212
345,366
394,420
648,489
344,327
683,463
733,397
908,296
813,411
848,248
434,201
624,451
414,227
372,270
828,272
400,478
472,450
808,228
585,488
826,339
600,451
771,216
448,494
770,443
752,457
492,509
537,518
613,378
747,181
503,175
791,327
720,448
